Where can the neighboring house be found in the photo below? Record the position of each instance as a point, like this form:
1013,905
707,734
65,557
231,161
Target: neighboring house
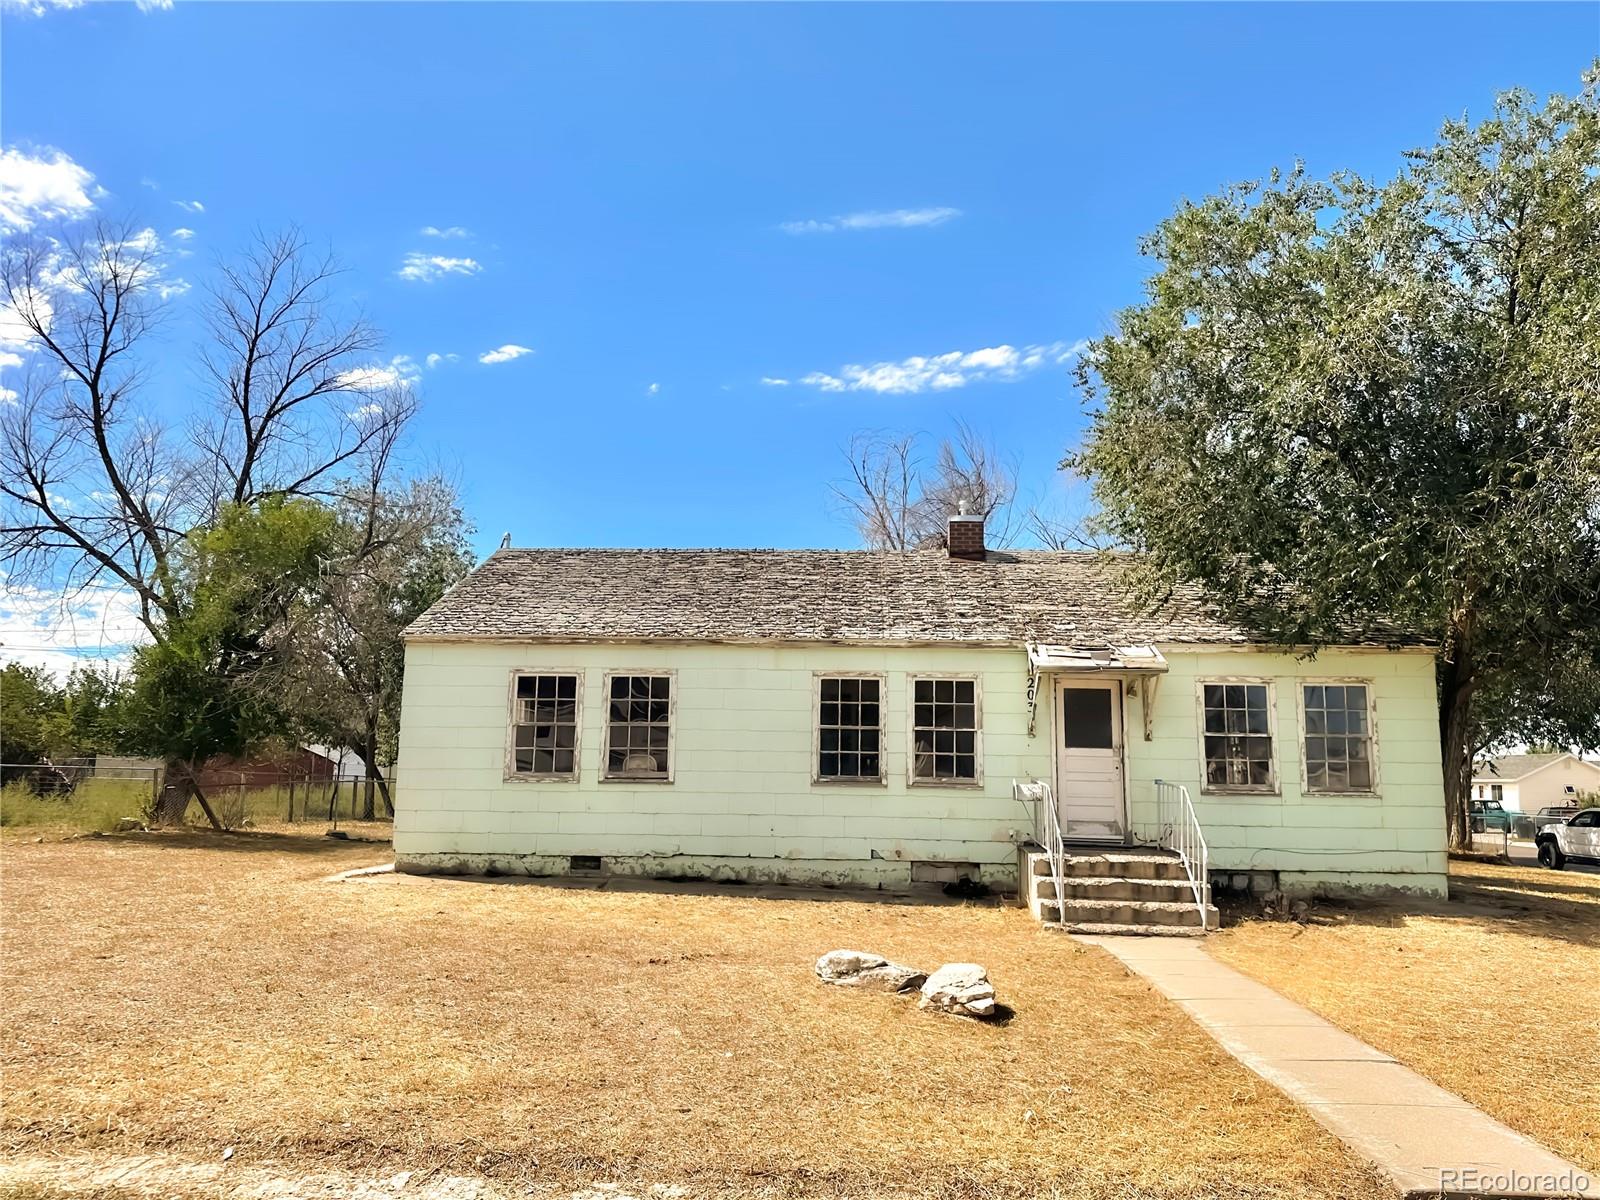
1526,783
346,760
859,717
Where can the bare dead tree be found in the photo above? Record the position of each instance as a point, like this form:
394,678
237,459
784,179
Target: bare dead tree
281,367
897,502
883,490
970,475
1065,522
94,490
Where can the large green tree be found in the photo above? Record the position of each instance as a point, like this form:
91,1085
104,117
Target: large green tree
42,716
195,691
99,487
1351,407
394,553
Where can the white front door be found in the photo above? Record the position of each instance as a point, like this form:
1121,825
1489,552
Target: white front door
1089,791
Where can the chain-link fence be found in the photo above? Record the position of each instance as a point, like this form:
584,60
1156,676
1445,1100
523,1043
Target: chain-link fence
103,794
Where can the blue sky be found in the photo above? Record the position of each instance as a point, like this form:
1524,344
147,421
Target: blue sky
667,205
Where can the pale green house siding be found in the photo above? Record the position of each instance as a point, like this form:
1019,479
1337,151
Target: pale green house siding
742,802
1393,838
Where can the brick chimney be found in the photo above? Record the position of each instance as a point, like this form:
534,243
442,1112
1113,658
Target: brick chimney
965,536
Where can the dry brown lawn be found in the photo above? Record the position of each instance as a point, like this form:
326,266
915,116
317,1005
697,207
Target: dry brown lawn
1492,996
186,993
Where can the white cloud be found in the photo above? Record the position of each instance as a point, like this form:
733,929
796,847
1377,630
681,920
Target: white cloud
38,8
505,354
434,360
943,372
899,218
14,333
8,359
58,632
449,231
43,187
773,381
146,241
190,206
173,288
425,268
398,372
653,390
183,235
7,395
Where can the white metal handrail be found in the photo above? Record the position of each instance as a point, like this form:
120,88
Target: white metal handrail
1047,832
1180,832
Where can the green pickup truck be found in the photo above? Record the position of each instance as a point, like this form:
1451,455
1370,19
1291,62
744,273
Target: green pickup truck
1487,815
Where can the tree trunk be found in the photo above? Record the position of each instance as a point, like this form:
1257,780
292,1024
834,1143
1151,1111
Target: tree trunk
1457,679
368,750
172,805
180,787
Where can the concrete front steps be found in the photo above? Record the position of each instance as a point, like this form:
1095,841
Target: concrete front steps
1115,889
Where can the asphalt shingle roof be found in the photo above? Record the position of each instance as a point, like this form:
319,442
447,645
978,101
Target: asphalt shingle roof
922,597
1510,767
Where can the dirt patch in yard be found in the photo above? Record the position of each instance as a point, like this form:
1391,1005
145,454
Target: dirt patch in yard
1491,995
192,993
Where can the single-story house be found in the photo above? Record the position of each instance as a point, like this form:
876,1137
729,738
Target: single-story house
861,717
1526,783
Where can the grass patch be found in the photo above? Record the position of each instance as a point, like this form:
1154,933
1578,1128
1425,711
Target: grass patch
187,993
1491,995
95,805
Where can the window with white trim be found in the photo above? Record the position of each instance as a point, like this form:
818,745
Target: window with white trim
944,730
849,728
544,720
638,726
1338,737
1238,736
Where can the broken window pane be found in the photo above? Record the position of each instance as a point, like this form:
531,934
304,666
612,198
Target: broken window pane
544,716
1238,738
847,723
638,732
945,723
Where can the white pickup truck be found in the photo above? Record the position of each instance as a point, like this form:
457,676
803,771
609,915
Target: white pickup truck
1577,839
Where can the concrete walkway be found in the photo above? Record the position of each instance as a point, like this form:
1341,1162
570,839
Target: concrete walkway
1428,1141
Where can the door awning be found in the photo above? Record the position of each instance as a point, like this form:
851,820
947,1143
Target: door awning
1143,666
1141,660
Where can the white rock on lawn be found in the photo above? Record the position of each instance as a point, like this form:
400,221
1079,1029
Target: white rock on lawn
857,968
960,988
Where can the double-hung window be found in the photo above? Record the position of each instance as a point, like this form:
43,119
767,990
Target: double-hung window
639,727
544,726
945,731
1238,736
849,729
1338,722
